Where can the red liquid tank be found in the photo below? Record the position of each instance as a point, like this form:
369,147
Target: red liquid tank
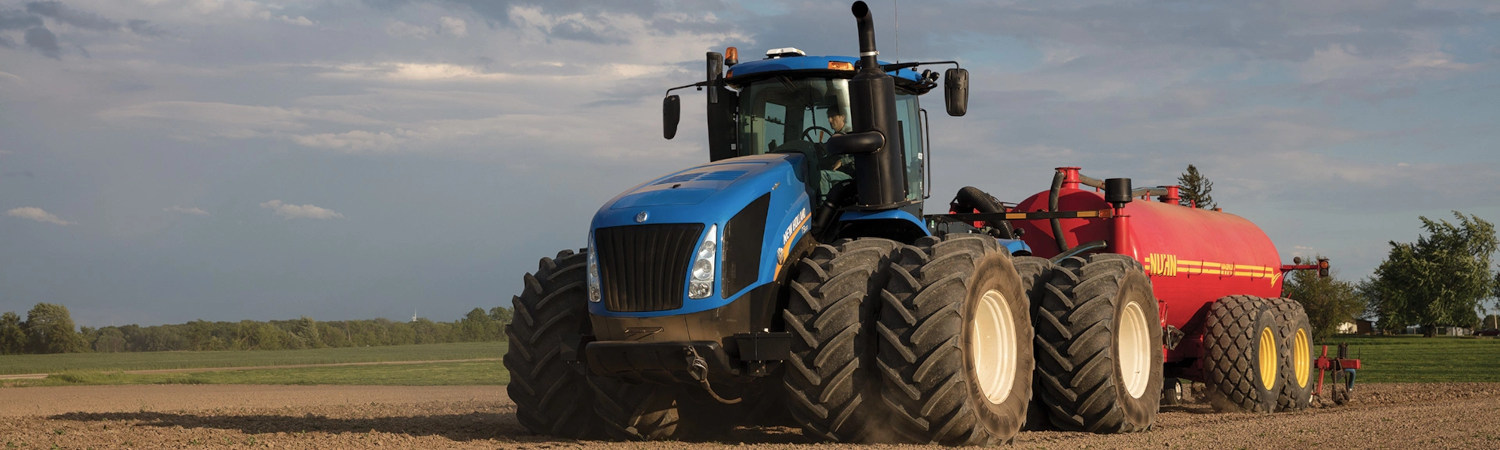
1192,256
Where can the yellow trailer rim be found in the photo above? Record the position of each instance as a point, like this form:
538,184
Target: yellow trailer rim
1267,358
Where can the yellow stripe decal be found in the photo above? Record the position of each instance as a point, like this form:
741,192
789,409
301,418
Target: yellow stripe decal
1167,265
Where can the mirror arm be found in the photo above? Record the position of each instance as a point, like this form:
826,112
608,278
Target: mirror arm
699,84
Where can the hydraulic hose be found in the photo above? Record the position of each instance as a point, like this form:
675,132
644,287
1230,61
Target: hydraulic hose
1057,180
972,199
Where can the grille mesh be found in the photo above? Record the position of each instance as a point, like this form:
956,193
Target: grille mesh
643,267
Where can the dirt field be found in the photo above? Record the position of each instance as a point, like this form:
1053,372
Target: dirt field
210,416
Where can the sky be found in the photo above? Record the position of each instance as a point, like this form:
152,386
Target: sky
163,161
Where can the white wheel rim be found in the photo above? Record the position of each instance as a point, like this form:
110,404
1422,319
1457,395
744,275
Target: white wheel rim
1134,352
992,339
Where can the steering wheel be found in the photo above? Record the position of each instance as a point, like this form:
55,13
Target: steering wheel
822,133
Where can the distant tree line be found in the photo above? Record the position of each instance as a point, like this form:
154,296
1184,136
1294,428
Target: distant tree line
49,328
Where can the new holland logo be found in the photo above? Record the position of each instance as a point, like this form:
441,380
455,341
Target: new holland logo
642,216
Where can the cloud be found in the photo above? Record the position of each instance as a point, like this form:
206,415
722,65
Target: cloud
454,26
356,141
17,20
193,211
300,211
62,13
405,30
231,120
42,40
37,214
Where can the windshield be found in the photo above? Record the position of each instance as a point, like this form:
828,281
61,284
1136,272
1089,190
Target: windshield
780,113
800,115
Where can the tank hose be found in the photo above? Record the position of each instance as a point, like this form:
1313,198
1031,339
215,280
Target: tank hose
698,369
1057,180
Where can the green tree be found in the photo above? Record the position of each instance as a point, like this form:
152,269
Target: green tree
501,315
12,335
49,328
477,326
1327,300
1438,280
110,340
1195,189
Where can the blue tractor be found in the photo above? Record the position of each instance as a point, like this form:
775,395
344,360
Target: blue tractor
792,280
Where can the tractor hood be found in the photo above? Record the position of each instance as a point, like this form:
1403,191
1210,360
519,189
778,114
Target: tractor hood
706,194
757,205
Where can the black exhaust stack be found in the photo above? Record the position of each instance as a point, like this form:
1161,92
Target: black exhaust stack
880,162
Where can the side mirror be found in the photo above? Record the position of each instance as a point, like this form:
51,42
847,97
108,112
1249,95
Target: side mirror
956,91
671,113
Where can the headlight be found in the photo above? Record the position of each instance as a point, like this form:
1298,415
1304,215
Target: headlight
593,271
701,279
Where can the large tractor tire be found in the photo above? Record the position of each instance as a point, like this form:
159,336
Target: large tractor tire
1034,274
1241,356
636,412
552,397
1098,347
955,333
830,388
1295,339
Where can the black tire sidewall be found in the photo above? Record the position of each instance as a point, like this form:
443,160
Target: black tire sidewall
1265,320
1302,393
995,272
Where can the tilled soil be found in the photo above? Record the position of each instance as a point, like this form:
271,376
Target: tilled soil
1450,415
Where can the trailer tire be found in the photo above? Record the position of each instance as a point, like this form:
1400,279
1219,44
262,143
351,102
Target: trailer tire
954,335
830,387
1098,347
552,397
1240,355
1295,339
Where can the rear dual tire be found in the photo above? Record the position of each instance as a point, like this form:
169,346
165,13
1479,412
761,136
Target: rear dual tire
1098,346
1294,336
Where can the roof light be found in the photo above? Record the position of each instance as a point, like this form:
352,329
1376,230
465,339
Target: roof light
784,52
840,65
731,56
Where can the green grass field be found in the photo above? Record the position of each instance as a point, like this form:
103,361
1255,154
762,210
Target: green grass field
1416,359
1386,359
105,368
74,362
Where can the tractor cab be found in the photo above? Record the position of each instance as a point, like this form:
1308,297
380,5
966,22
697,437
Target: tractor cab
793,103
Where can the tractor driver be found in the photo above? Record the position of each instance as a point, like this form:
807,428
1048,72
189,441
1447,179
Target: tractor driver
830,165
836,122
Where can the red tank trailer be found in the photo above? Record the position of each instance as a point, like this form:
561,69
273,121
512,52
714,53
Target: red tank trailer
1121,257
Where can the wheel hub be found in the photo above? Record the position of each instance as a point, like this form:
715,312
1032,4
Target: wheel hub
1134,351
992,340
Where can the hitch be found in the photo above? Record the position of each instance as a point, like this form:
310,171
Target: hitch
1343,369
698,369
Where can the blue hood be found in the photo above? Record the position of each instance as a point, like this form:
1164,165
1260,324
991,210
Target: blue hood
711,195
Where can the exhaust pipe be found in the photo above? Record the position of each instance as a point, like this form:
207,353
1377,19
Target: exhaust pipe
880,164
866,24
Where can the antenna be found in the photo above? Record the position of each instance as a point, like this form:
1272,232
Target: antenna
896,23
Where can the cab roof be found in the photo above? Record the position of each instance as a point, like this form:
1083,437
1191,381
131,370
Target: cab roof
798,66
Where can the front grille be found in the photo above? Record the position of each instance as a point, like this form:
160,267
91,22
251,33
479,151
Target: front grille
643,267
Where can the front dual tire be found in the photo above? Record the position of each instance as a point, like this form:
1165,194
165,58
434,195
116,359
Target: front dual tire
955,331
